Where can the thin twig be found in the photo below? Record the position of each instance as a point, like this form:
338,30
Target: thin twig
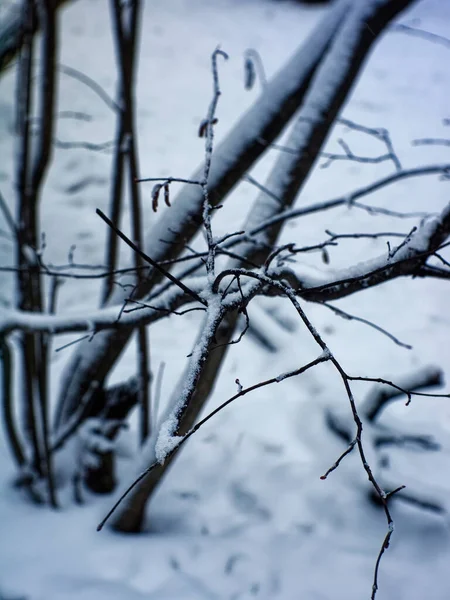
183,439
421,33
431,142
91,84
147,258
209,144
349,317
350,199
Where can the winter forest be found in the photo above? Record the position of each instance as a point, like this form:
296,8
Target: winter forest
224,273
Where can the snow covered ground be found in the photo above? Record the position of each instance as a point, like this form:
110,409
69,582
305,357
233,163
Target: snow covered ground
243,513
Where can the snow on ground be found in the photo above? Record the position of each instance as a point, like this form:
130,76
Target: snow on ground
243,513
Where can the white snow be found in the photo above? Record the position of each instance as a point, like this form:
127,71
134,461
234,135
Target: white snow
166,441
243,513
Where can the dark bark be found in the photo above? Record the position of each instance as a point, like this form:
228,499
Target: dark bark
131,518
33,162
13,35
113,407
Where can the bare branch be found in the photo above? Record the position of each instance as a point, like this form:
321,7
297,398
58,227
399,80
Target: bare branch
349,317
380,133
147,258
379,396
182,439
421,33
350,199
91,84
431,142
62,145
209,141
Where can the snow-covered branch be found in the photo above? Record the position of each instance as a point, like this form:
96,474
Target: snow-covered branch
111,317
329,88
405,259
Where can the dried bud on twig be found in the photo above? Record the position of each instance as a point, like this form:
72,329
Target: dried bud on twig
155,195
253,69
166,194
203,129
249,73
